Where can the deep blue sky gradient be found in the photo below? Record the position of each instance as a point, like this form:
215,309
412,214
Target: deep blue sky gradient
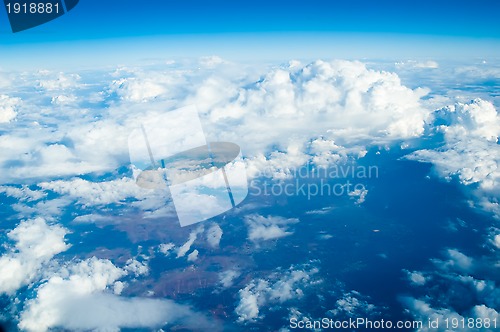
104,19
120,30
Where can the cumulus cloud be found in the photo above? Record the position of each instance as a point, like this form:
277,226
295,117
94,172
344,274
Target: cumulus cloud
496,240
154,203
95,193
193,256
416,278
80,298
360,194
166,248
141,86
36,243
423,311
341,93
214,235
454,291
482,311
471,152
136,267
478,118
226,278
353,305
275,116
41,161
137,90
8,107
58,81
64,100
67,147
471,133
47,208
455,260
292,106
262,228
323,112
23,193
277,288
182,250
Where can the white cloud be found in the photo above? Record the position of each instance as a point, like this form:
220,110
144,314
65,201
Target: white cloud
136,267
81,298
323,112
496,241
166,248
262,228
424,312
53,160
90,218
64,100
283,109
226,278
36,243
58,81
88,136
322,211
417,278
118,287
248,307
276,288
48,208
360,194
145,86
291,107
193,256
8,107
478,118
455,260
453,288
429,64
23,194
211,61
155,203
471,133
182,250
52,146
96,193
352,304
214,235
482,311
137,90
483,288
471,152
475,73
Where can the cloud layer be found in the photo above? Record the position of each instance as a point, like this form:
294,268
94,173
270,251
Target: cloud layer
276,288
8,108
36,243
79,298
74,130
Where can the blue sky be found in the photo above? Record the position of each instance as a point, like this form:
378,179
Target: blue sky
94,19
353,29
